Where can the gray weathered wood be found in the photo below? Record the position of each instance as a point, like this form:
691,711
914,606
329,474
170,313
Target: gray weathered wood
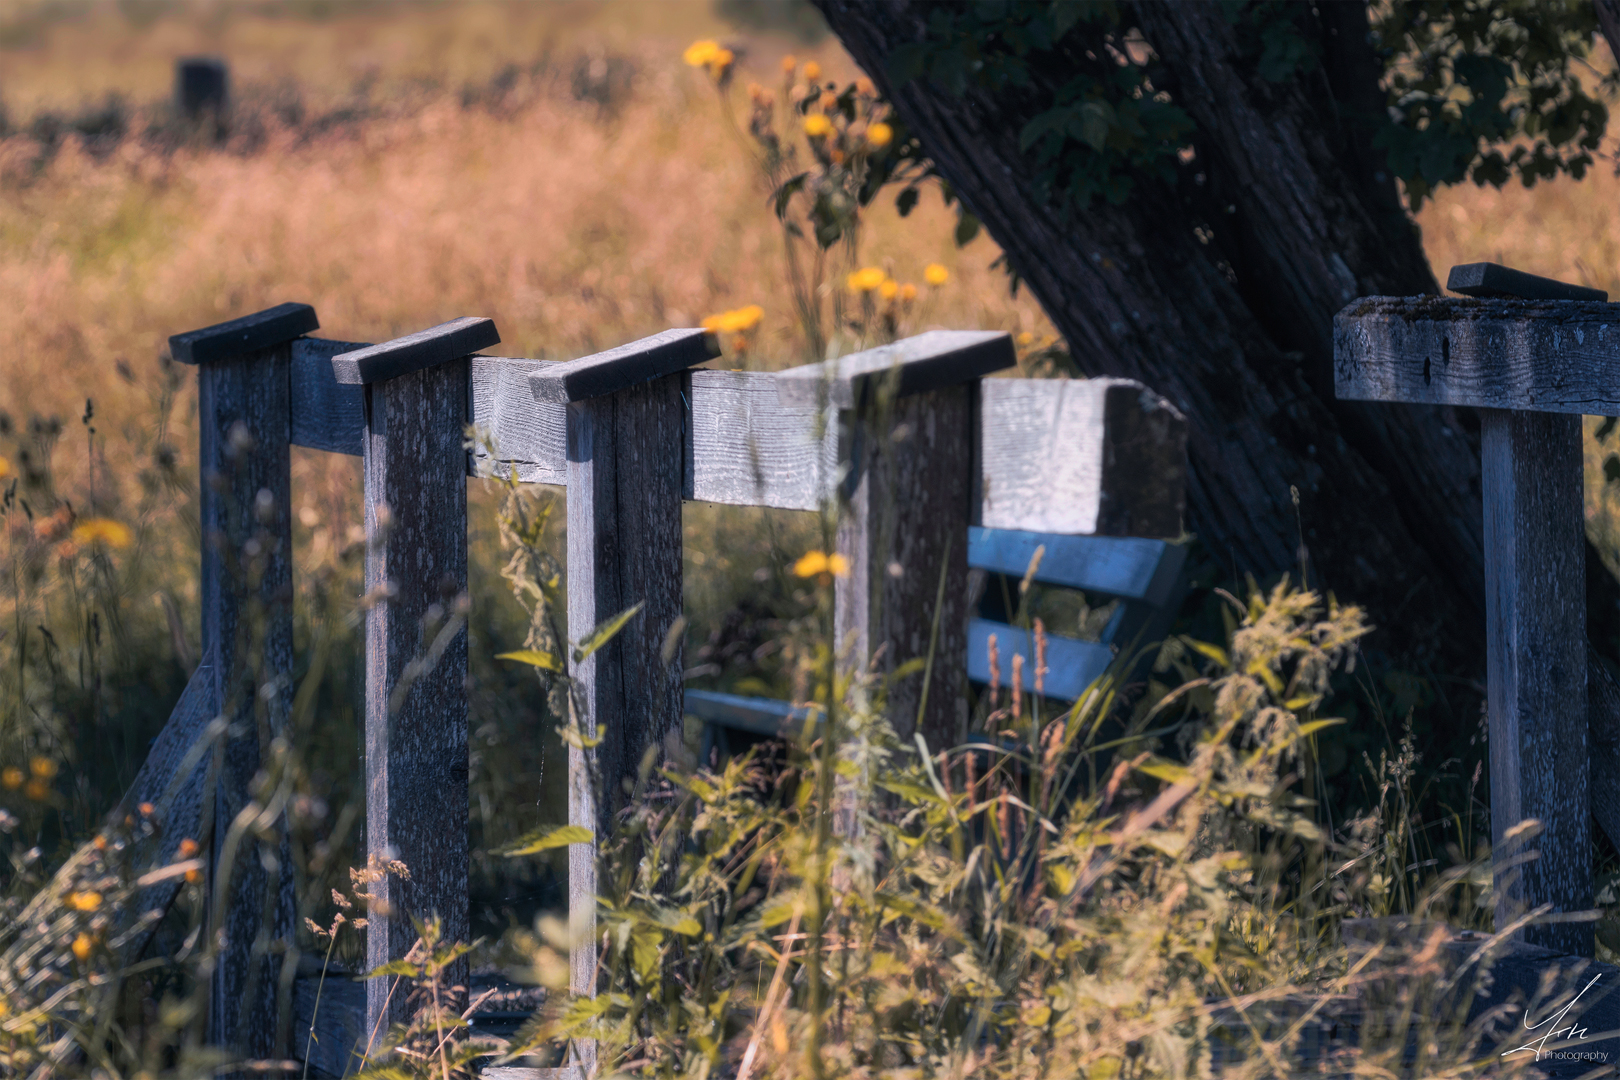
244,420
924,362
903,533
1103,456
250,333
1490,280
745,447
326,414
624,548
1535,603
415,352
529,436
640,361
1541,356
416,697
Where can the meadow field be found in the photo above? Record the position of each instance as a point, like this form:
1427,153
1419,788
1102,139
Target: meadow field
554,166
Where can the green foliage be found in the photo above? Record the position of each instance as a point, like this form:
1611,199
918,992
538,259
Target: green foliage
1465,77
1476,89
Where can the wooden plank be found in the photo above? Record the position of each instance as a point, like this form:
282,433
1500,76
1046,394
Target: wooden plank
1072,665
415,352
744,447
529,436
244,414
416,703
624,548
903,532
1111,566
326,414
1080,456
616,369
250,333
912,365
762,716
1533,355
1490,280
1535,612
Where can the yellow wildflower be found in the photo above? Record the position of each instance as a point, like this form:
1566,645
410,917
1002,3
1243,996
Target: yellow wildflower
734,322
42,767
812,563
37,789
908,293
866,279
188,848
789,62
701,53
146,809
936,274
812,70
817,126
193,876
100,842
863,85
114,534
5,466
889,290
720,61
81,947
879,135
84,901
828,101
11,779
1026,338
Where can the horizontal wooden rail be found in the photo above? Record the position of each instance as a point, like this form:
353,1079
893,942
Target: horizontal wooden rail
1092,456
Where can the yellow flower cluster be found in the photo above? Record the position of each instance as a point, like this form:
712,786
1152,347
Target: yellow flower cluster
739,321
709,54
812,563
106,531
936,275
36,787
873,279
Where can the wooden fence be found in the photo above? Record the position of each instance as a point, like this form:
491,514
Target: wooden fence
911,439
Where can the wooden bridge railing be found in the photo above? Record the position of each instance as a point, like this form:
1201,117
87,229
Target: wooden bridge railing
910,436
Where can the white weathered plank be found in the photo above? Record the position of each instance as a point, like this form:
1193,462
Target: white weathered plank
746,448
1080,456
916,364
1531,355
528,435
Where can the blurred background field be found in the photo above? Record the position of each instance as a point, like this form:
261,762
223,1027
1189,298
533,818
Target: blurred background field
555,166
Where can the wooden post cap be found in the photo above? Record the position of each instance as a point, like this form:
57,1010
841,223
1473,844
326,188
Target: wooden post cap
1489,279
638,362
1525,355
926,362
267,328
424,349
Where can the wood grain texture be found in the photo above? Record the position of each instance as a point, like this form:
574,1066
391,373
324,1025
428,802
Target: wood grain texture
912,365
415,352
1531,355
326,414
250,333
528,436
1535,602
244,418
903,529
624,548
606,372
1490,280
416,705
744,447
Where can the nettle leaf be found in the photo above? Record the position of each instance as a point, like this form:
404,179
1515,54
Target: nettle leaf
548,837
605,632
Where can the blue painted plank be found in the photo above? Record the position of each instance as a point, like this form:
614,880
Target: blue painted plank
763,716
1114,566
1072,665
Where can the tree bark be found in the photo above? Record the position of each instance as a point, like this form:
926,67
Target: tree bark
1219,292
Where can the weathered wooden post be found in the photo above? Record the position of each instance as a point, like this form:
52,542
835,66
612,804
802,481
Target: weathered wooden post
1533,355
244,421
909,412
416,640
627,415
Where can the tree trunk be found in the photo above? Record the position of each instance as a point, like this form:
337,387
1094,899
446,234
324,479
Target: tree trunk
1295,216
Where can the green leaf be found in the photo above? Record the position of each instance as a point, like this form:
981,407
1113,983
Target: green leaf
1317,725
551,836
782,195
605,632
534,658
906,201
967,227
